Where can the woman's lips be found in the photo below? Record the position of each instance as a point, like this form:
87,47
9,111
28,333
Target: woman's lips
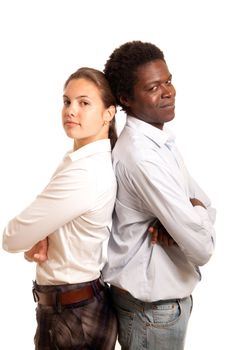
68,123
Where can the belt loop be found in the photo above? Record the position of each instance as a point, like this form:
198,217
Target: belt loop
34,293
58,301
96,289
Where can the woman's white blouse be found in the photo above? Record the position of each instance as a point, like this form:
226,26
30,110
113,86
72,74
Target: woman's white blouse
75,211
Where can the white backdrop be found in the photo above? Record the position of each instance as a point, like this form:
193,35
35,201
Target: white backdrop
42,42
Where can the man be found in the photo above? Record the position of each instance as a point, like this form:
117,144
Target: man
152,284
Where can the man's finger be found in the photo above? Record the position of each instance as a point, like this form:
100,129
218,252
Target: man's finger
154,235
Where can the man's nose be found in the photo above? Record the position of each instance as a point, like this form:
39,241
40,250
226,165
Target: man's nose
166,90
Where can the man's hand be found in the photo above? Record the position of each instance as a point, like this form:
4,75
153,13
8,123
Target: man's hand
159,235
38,253
196,201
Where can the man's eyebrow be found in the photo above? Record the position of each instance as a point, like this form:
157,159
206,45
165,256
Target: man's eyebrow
159,81
169,77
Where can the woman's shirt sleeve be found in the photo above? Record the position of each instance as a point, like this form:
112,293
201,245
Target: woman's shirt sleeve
68,195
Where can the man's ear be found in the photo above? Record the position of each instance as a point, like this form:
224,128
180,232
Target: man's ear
124,101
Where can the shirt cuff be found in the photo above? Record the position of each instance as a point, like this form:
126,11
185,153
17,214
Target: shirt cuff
202,212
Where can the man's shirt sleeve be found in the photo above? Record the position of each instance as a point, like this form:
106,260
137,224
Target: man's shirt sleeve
165,198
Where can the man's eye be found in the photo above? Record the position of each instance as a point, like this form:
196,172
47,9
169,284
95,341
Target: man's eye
154,88
168,82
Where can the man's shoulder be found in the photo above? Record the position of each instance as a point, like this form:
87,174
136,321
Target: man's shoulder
132,154
134,147
128,148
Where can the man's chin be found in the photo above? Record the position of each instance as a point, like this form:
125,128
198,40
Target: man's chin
169,118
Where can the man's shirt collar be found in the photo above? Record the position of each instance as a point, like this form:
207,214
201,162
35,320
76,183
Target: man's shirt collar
160,137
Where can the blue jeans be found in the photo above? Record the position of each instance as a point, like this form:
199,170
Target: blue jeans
159,325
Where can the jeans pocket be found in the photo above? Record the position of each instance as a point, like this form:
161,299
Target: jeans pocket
125,326
166,313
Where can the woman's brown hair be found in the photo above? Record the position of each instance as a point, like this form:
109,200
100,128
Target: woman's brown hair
99,79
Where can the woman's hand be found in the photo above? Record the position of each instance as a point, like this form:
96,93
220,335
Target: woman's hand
38,253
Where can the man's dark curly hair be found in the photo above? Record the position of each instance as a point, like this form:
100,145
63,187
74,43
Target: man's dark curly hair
120,69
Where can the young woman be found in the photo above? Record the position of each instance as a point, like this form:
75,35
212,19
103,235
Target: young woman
74,211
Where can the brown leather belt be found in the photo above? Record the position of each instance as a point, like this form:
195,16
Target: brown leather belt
69,297
119,290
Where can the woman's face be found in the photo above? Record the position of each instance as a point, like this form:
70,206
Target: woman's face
83,113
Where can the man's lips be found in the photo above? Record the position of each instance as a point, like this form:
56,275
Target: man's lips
168,106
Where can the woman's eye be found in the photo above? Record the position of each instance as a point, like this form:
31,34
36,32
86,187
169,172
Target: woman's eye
66,102
83,103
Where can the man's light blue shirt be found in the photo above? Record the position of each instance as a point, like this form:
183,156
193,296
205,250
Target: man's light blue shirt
153,182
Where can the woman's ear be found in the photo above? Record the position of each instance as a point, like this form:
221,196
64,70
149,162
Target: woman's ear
110,113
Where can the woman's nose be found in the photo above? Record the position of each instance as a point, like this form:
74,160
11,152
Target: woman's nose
72,111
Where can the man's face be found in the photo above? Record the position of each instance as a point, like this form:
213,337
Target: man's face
154,95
